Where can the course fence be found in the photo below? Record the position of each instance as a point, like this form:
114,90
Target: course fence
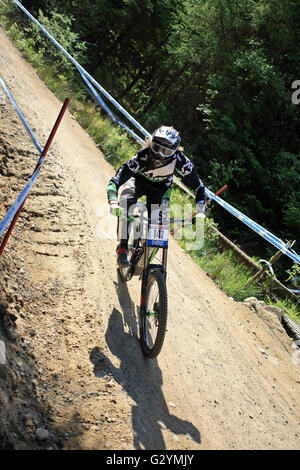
284,247
13,213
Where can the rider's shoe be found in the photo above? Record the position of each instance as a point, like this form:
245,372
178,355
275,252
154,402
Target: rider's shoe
122,259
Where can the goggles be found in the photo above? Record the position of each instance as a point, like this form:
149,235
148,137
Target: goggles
162,151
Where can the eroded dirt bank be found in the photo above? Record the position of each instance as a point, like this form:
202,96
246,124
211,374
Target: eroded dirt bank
225,377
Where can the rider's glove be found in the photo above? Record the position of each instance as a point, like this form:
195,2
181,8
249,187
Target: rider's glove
115,209
200,211
200,207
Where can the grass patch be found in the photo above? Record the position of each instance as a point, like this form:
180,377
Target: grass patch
231,276
287,307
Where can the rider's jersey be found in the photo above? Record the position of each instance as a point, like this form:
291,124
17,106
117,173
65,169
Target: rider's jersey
142,167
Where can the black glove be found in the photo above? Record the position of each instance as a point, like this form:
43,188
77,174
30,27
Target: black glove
200,194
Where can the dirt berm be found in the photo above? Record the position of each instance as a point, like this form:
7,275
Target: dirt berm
75,376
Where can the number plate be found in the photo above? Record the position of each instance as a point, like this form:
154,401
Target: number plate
158,235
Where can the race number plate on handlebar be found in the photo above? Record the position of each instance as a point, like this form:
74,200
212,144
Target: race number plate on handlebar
158,235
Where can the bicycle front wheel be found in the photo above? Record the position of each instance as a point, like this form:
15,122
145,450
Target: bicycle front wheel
154,320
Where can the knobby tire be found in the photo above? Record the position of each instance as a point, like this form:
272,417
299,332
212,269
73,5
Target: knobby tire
152,351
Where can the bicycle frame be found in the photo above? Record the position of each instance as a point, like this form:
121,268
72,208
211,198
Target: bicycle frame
141,243
153,301
146,241
148,259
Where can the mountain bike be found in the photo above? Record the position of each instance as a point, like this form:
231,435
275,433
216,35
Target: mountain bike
147,254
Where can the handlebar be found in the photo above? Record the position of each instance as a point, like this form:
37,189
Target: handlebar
131,218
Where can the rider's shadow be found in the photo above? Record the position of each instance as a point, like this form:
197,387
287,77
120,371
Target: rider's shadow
142,380
127,306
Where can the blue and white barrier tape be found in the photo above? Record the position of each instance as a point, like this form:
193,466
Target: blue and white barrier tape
17,204
96,84
285,248
111,115
29,131
257,228
268,264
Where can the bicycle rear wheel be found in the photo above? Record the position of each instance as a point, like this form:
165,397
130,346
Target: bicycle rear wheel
154,318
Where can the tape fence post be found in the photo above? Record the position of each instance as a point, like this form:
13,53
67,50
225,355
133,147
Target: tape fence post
36,171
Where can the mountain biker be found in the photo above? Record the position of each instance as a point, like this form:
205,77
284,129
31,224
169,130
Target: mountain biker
151,173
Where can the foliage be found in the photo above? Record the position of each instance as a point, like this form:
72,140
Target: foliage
287,307
231,276
294,277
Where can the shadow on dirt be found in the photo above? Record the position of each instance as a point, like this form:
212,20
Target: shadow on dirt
141,378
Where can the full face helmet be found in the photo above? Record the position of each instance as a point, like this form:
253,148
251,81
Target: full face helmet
164,143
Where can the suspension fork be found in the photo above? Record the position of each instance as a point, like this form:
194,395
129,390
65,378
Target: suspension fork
144,276
148,266
164,258
164,261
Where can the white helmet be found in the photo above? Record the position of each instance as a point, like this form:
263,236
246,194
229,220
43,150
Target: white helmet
164,142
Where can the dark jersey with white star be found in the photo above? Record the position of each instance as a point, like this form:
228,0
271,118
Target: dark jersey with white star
142,167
